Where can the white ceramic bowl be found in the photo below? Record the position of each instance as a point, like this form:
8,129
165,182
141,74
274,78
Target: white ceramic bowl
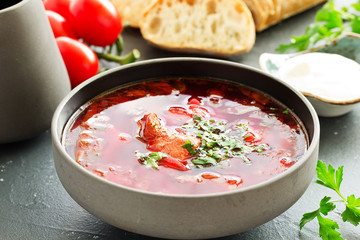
185,216
340,70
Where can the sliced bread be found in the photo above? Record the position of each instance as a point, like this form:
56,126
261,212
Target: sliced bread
214,27
131,10
269,12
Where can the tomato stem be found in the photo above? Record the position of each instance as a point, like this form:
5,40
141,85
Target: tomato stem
110,48
129,58
119,43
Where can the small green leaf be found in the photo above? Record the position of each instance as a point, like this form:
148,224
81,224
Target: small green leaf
352,201
327,229
308,217
204,161
330,16
196,118
327,176
356,6
355,24
326,206
286,111
352,211
152,159
339,176
189,146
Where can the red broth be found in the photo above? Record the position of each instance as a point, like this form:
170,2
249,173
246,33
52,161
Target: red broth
104,136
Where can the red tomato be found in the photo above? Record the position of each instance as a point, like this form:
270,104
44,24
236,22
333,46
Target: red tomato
80,60
59,6
95,21
59,25
251,137
210,175
174,163
287,162
179,110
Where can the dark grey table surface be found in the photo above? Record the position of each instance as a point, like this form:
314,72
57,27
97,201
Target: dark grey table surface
34,205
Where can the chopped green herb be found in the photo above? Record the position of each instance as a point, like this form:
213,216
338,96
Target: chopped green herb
328,177
219,142
197,118
189,146
286,111
243,126
152,159
205,161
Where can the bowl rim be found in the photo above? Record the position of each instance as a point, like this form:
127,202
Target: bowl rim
57,142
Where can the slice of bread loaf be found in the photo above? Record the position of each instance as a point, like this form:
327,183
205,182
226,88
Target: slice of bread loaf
269,12
214,27
131,10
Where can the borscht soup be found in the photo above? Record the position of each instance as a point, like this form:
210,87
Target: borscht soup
185,136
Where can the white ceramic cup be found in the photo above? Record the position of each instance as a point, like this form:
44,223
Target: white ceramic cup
33,76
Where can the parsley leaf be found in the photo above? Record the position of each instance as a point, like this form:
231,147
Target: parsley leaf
327,229
326,206
352,211
331,178
356,6
308,217
328,24
204,161
355,24
152,159
327,176
189,146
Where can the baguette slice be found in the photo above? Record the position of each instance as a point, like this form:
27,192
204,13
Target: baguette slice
269,12
213,27
131,10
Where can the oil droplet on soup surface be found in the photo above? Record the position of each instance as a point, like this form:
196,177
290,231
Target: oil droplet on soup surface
104,137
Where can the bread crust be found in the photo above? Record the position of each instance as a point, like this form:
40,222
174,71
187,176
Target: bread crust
131,10
212,27
270,12
257,15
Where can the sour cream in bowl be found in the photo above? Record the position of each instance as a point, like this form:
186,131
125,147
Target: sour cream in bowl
330,81
329,76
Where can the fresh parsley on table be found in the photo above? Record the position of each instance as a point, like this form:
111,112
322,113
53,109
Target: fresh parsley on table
331,178
329,23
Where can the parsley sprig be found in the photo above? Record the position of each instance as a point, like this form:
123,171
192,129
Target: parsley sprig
329,23
331,178
219,142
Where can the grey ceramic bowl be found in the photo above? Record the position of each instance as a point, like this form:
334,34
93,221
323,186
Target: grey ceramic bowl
185,216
